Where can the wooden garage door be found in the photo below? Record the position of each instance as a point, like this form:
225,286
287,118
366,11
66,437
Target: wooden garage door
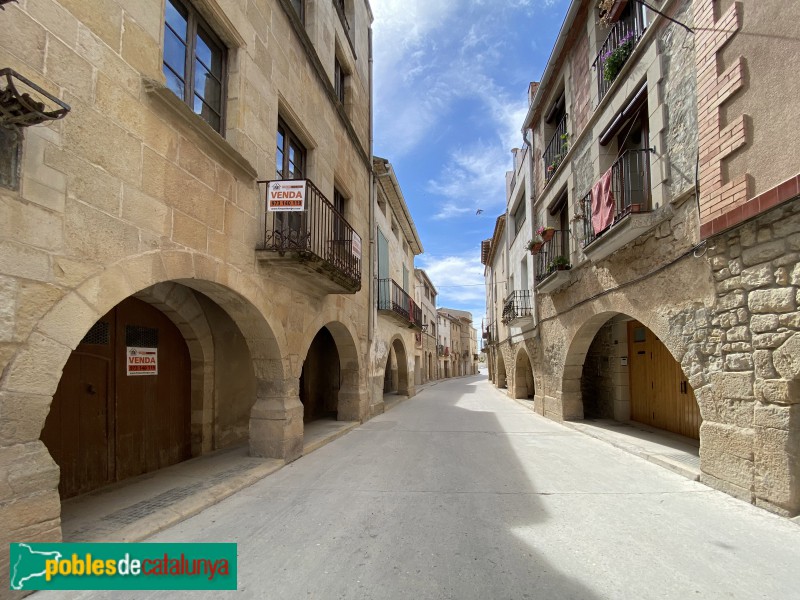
105,424
660,394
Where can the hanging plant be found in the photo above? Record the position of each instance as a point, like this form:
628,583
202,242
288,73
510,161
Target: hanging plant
615,59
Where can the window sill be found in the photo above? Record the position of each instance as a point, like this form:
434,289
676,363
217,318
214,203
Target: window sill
221,147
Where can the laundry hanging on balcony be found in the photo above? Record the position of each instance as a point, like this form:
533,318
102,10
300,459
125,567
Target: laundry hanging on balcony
602,203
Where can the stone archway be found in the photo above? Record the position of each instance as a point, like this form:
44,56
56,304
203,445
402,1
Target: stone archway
352,401
618,368
501,370
523,376
33,373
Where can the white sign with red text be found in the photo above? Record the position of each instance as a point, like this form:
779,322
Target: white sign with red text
142,361
356,246
286,196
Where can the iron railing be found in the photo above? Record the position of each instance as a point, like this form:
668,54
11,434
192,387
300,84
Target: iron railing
517,304
319,230
490,333
556,150
554,256
630,186
621,40
394,298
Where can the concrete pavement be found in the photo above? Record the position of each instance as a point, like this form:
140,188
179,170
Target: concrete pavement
461,492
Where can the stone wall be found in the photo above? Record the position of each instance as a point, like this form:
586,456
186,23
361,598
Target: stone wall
745,367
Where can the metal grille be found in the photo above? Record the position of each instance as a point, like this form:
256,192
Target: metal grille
98,335
141,337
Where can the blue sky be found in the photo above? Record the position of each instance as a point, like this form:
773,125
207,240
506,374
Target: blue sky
451,80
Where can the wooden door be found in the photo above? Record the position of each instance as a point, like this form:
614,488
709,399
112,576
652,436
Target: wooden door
105,425
153,412
660,394
77,428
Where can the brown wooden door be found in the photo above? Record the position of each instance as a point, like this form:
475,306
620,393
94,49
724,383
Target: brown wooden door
660,394
153,412
105,425
78,425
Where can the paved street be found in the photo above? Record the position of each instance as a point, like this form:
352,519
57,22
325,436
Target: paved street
462,493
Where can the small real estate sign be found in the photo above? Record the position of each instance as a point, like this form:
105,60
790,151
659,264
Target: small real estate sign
142,361
286,196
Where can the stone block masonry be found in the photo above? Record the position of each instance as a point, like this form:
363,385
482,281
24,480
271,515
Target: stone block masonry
753,370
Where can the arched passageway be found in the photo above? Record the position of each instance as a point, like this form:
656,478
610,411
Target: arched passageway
396,373
501,371
320,379
629,374
144,387
523,377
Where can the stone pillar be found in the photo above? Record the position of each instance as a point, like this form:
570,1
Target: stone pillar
276,420
353,403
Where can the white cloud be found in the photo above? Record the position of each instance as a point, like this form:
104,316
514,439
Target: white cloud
458,280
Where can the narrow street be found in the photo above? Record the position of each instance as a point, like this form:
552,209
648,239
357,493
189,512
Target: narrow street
462,492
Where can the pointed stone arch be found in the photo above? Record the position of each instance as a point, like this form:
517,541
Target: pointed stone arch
501,370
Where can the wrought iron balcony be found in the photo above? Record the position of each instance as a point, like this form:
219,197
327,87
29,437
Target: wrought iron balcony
556,150
553,263
395,302
517,306
314,249
618,46
630,188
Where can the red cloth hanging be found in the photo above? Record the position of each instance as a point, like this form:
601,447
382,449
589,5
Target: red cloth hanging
602,203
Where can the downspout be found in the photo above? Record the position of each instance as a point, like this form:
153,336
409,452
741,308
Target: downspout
373,199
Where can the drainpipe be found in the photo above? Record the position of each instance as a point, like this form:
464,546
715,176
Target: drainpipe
373,199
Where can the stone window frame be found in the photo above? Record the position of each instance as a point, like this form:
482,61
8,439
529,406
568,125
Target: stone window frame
195,25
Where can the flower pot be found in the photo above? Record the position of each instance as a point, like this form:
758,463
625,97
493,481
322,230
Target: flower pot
547,235
535,248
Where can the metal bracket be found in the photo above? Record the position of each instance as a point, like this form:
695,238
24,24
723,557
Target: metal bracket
20,109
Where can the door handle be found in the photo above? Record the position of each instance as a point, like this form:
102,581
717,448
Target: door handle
90,389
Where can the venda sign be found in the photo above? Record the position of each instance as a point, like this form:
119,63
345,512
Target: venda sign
142,361
93,566
286,196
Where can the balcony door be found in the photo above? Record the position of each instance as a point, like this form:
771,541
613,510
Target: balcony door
290,164
384,285
633,142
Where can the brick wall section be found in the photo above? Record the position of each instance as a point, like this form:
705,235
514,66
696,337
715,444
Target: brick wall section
716,140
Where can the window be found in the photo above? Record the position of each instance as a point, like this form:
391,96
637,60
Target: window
194,62
299,9
290,161
339,230
519,216
290,155
339,80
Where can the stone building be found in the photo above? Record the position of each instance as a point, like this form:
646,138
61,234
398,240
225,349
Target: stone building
426,366
494,257
139,259
665,287
466,355
443,346
396,315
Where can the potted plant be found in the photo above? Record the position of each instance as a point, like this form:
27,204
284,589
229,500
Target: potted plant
559,263
546,233
615,59
535,244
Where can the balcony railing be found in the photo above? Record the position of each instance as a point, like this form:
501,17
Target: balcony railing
554,256
556,150
517,305
616,49
630,186
393,298
317,234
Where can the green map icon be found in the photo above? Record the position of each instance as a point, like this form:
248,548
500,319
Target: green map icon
28,565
